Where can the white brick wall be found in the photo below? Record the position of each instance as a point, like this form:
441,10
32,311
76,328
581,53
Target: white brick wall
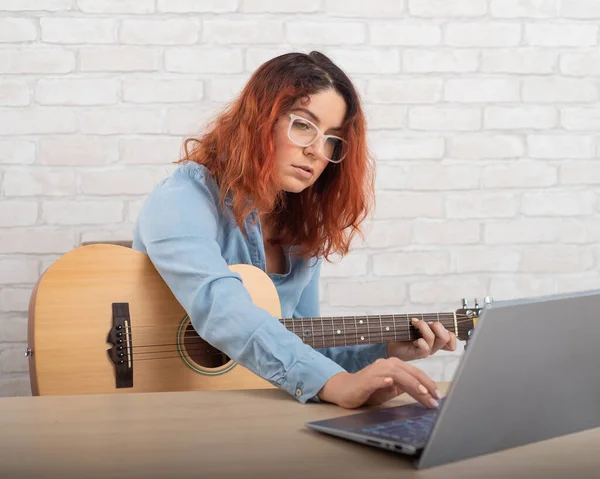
483,116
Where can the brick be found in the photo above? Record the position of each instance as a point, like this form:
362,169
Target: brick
38,240
78,212
560,146
120,121
162,91
385,234
40,121
119,232
520,117
203,60
475,90
133,209
326,33
580,64
386,116
581,9
580,118
519,174
12,358
256,56
389,34
39,182
78,151
358,8
577,283
557,203
191,6
408,263
280,6
443,8
188,120
440,60
427,177
17,152
18,271
160,32
116,6
242,32
77,92
546,35
352,265
395,146
580,173
367,293
524,285
483,34
443,232
38,60
17,30
78,30
147,151
422,90
556,259
523,231
486,259
553,90
12,385
518,60
36,5
12,300
119,58
481,205
14,93
524,8
366,60
14,327
130,181
485,146
224,89
391,205
444,118
449,289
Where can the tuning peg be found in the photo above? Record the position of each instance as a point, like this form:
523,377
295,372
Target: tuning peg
464,303
488,299
476,304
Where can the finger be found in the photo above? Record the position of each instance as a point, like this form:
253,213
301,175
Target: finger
451,346
423,379
384,395
426,332
411,385
442,336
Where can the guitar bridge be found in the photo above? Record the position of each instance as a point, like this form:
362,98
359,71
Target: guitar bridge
121,353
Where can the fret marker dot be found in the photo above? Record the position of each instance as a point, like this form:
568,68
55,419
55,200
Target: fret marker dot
362,338
338,331
360,322
387,328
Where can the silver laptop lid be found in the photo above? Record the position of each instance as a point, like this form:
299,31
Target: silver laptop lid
531,372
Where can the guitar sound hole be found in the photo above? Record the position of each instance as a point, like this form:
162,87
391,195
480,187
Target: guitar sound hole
201,352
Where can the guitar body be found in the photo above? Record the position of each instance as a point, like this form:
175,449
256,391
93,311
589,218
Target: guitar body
71,315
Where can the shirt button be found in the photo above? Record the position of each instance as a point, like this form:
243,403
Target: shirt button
298,392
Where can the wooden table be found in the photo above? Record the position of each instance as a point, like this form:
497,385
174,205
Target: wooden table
247,434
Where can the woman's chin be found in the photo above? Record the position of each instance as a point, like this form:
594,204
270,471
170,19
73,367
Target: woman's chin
293,185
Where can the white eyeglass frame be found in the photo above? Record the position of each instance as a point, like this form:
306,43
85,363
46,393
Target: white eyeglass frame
319,135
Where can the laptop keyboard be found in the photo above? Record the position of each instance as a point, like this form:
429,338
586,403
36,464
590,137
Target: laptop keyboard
413,431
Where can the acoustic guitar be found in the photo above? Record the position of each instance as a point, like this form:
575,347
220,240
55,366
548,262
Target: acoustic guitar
102,320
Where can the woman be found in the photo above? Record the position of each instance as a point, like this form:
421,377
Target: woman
280,180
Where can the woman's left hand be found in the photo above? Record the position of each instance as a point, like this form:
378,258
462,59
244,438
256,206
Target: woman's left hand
435,337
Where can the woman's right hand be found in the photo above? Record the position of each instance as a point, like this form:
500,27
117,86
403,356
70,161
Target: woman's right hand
379,382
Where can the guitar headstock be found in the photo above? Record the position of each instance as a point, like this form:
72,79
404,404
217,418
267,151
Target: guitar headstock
467,317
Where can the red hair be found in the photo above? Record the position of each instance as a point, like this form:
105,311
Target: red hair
238,149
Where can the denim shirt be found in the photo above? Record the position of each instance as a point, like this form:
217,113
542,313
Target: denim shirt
191,241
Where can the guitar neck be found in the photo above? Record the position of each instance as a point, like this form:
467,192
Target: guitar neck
326,332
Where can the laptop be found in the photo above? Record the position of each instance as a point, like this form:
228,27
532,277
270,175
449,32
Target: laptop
530,373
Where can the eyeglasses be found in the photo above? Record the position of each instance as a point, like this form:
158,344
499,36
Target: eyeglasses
303,132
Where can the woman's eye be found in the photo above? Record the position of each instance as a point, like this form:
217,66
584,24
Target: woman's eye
301,126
